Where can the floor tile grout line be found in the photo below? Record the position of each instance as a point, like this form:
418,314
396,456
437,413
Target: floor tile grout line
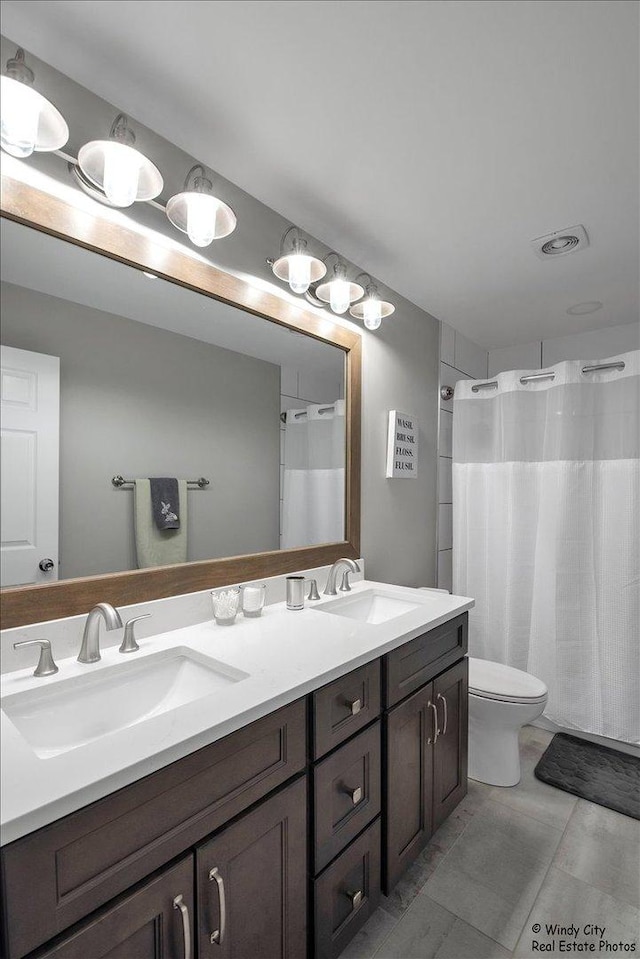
544,879
518,812
455,841
543,822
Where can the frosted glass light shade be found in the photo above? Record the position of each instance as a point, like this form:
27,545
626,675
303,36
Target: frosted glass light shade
122,172
29,121
372,310
202,216
293,271
339,293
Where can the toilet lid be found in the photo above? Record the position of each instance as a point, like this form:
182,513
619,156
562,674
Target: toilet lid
496,681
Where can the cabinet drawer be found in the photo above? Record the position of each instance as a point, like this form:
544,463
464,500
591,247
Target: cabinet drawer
146,923
346,794
59,874
345,706
346,894
416,663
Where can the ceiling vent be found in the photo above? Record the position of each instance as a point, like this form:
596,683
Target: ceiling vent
569,240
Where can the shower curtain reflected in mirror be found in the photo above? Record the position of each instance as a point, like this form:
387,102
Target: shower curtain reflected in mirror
313,500
546,479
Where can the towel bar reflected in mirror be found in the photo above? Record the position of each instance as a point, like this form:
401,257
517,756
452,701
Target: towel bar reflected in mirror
119,481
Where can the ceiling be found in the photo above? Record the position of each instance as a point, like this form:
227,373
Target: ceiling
429,142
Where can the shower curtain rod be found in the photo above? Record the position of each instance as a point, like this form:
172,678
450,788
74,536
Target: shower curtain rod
548,375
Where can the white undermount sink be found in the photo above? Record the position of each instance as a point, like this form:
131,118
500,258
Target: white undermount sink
369,606
80,710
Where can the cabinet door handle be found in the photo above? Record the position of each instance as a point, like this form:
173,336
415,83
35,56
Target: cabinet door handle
444,712
436,731
355,706
218,935
178,903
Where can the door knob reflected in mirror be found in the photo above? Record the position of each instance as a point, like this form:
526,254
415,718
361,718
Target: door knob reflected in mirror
46,565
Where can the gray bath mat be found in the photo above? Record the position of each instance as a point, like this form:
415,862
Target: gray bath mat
593,772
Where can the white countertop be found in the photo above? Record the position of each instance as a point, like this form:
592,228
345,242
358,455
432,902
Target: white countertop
286,655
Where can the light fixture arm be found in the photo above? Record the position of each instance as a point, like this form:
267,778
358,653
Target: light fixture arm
18,70
339,267
299,244
121,131
201,182
371,288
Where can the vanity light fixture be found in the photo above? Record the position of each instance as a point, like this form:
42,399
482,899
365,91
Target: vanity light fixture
198,213
29,121
372,310
297,267
339,292
118,169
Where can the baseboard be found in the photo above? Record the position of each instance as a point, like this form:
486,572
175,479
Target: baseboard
630,748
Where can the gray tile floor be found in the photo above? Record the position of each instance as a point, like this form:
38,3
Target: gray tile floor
506,860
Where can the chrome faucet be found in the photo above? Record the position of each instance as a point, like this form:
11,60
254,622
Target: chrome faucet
90,649
351,567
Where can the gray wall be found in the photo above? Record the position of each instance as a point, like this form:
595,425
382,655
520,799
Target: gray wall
400,361
141,401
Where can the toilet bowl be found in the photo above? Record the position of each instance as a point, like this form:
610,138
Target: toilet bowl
501,700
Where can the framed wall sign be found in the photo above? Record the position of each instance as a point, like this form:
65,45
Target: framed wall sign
402,445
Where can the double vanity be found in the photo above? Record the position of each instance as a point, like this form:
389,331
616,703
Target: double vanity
241,791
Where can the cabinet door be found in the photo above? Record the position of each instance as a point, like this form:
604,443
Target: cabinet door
252,883
450,695
409,788
155,922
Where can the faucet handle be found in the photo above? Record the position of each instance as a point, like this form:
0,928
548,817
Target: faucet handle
313,589
345,586
129,644
46,665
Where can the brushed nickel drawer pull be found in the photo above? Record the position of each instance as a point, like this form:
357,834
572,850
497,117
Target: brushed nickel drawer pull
436,731
355,794
218,936
355,706
356,898
178,903
444,709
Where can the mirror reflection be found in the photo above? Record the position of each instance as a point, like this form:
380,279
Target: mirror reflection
144,424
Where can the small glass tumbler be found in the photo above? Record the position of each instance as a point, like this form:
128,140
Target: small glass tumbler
225,605
253,598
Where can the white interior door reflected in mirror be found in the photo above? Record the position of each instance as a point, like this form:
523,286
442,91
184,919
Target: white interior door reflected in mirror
30,398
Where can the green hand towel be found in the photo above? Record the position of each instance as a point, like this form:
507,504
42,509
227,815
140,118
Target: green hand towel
155,547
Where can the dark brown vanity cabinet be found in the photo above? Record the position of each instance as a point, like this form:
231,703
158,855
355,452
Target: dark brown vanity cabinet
268,844
154,922
426,766
71,869
451,699
251,881
346,806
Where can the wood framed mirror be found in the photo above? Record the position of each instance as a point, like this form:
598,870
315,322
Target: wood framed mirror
93,231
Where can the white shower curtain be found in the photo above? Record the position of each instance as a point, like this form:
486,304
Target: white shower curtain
314,471
545,536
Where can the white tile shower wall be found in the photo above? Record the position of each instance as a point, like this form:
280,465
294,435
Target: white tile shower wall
460,359
168,614
592,345
297,389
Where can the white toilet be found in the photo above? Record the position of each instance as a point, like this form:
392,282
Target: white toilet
501,700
